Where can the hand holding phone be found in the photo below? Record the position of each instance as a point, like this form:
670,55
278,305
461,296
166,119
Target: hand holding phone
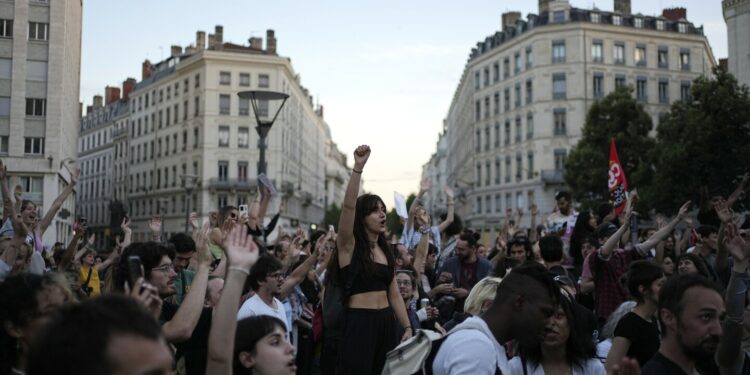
135,269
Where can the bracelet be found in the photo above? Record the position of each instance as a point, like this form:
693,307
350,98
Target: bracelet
356,171
407,327
239,269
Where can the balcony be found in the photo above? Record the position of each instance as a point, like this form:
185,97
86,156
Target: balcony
553,177
234,184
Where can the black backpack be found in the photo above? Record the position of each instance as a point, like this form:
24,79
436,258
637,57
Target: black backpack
335,298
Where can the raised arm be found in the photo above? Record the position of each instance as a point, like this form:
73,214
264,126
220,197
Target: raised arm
423,187
50,215
662,233
180,328
264,201
345,239
242,254
609,246
534,211
155,226
450,215
729,354
725,214
70,251
299,273
420,254
738,192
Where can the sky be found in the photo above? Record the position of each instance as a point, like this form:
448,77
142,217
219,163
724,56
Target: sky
385,71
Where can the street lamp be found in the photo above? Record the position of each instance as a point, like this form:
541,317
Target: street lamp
188,182
264,126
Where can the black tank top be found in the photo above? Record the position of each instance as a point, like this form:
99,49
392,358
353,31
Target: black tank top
381,280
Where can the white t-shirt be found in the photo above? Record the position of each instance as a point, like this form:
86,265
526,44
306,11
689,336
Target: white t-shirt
255,306
471,351
591,367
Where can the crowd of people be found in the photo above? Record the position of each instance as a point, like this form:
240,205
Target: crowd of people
586,293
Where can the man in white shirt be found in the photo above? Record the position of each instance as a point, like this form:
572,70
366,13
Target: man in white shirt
266,280
524,302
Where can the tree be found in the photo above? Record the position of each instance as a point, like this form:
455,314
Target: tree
333,212
616,116
703,142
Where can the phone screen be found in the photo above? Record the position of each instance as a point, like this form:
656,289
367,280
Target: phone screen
135,269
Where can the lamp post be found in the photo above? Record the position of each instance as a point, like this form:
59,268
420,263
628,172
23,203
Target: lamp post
188,182
264,126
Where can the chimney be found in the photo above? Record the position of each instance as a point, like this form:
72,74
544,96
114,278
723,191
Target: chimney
270,42
127,87
200,40
674,14
146,70
543,7
622,6
211,42
97,101
219,37
175,51
189,50
509,19
89,109
320,111
111,95
256,43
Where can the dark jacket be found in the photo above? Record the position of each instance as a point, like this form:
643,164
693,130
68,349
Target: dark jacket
453,266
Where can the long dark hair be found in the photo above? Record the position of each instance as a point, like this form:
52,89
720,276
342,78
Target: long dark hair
581,231
366,204
580,344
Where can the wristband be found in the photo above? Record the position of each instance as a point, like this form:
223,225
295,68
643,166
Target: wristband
356,171
239,269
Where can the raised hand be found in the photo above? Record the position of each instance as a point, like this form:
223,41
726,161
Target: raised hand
155,224
125,225
92,239
3,170
240,248
194,221
533,210
200,237
361,154
424,185
684,210
738,247
449,193
724,211
75,176
147,295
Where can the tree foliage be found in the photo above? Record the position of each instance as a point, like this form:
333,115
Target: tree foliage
616,116
332,214
704,142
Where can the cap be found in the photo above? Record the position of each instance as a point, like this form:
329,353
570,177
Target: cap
605,230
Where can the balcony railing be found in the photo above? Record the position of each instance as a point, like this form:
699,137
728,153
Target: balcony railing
552,177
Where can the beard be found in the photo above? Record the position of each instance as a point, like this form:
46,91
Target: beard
703,351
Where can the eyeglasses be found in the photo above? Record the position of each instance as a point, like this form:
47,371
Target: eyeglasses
403,282
276,275
164,268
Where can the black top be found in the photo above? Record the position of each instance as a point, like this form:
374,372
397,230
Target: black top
661,365
381,280
643,336
195,349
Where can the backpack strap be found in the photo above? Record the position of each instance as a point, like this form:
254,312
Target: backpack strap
466,325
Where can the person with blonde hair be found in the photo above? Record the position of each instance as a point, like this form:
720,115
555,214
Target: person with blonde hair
479,300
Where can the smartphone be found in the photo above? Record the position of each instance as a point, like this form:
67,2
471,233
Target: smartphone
243,209
330,228
135,269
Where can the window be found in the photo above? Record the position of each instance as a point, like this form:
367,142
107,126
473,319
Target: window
497,171
223,136
559,90
166,146
530,166
487,138
596,52
185,110
244,107
497,102
486,107
518,95
225,78
685,91
174,143
477,110
529,92
498,202
660,25
6,28
197,106
663,91
184,143
529,57
496,72
640,89
487,176
161,95
595,17
478,208
4,144
640,55
559,116
185,87
223,170
486,77
517,60
263,81
243,137
497,134
242,171
685,59
506,68
519,167
33,146
530,126
519,133
479,174
197,80
487,204
166,123
38,31
663,56
6,69
477,81
560,156
4,106
558,51
507,169
507,100
245,79
682,27
262,108
558,16
619,53
224,101
36,70
196,138
507,132
169,92
598,85
619,81
638,22
36,107
617,20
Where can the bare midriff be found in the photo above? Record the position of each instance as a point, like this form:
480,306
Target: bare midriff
370,300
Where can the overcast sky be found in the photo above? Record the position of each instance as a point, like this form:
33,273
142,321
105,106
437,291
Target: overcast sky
385,70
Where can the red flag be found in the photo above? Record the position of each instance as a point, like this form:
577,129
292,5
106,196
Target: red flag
617,182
